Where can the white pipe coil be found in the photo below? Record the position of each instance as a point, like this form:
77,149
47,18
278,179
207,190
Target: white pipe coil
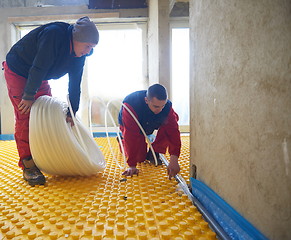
56,147
118,133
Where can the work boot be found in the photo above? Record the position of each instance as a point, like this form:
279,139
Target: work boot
151,158
31,173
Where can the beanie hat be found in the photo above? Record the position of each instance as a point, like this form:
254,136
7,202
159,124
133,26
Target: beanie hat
85,31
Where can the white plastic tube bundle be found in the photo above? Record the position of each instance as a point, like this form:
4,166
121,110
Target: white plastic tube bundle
56,147
118,133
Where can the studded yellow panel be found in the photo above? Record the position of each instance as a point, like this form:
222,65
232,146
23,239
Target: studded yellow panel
105,206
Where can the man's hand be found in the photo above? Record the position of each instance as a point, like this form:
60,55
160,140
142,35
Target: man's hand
131,171
25,105
173,167
69,119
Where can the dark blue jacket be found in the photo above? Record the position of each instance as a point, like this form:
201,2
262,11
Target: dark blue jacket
46,53
148,120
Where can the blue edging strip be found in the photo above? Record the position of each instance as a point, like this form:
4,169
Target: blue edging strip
103,134
8,137
236,226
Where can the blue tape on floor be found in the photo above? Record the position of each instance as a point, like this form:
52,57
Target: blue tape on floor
236,226
6,137
103,134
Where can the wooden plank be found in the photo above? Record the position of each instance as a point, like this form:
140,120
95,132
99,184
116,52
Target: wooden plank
117,4
68,18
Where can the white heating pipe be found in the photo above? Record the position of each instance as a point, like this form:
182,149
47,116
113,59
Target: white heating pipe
56,147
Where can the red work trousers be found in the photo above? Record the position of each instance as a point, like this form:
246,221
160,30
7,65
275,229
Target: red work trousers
16,85
140,148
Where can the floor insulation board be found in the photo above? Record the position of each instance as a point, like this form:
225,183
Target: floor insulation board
104,206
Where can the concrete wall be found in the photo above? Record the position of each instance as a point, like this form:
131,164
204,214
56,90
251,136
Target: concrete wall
159,43
241,106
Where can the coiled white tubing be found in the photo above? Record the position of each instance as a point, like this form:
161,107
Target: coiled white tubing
119,136
56,147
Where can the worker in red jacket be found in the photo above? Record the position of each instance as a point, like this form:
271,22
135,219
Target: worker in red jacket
153,111
47,52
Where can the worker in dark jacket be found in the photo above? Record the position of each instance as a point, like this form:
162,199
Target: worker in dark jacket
153,111
47,52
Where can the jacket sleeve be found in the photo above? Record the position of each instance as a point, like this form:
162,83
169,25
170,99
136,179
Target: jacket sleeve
75,78
171,128
45,56
134,141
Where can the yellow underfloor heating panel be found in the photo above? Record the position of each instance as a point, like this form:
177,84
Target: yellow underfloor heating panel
105,206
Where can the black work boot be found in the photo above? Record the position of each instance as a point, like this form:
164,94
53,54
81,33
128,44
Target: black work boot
31,173
151,158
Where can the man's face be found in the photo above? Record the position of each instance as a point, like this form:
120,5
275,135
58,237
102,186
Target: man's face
81,48
155,105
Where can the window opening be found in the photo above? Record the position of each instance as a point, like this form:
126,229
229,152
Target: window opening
180,74
115,69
